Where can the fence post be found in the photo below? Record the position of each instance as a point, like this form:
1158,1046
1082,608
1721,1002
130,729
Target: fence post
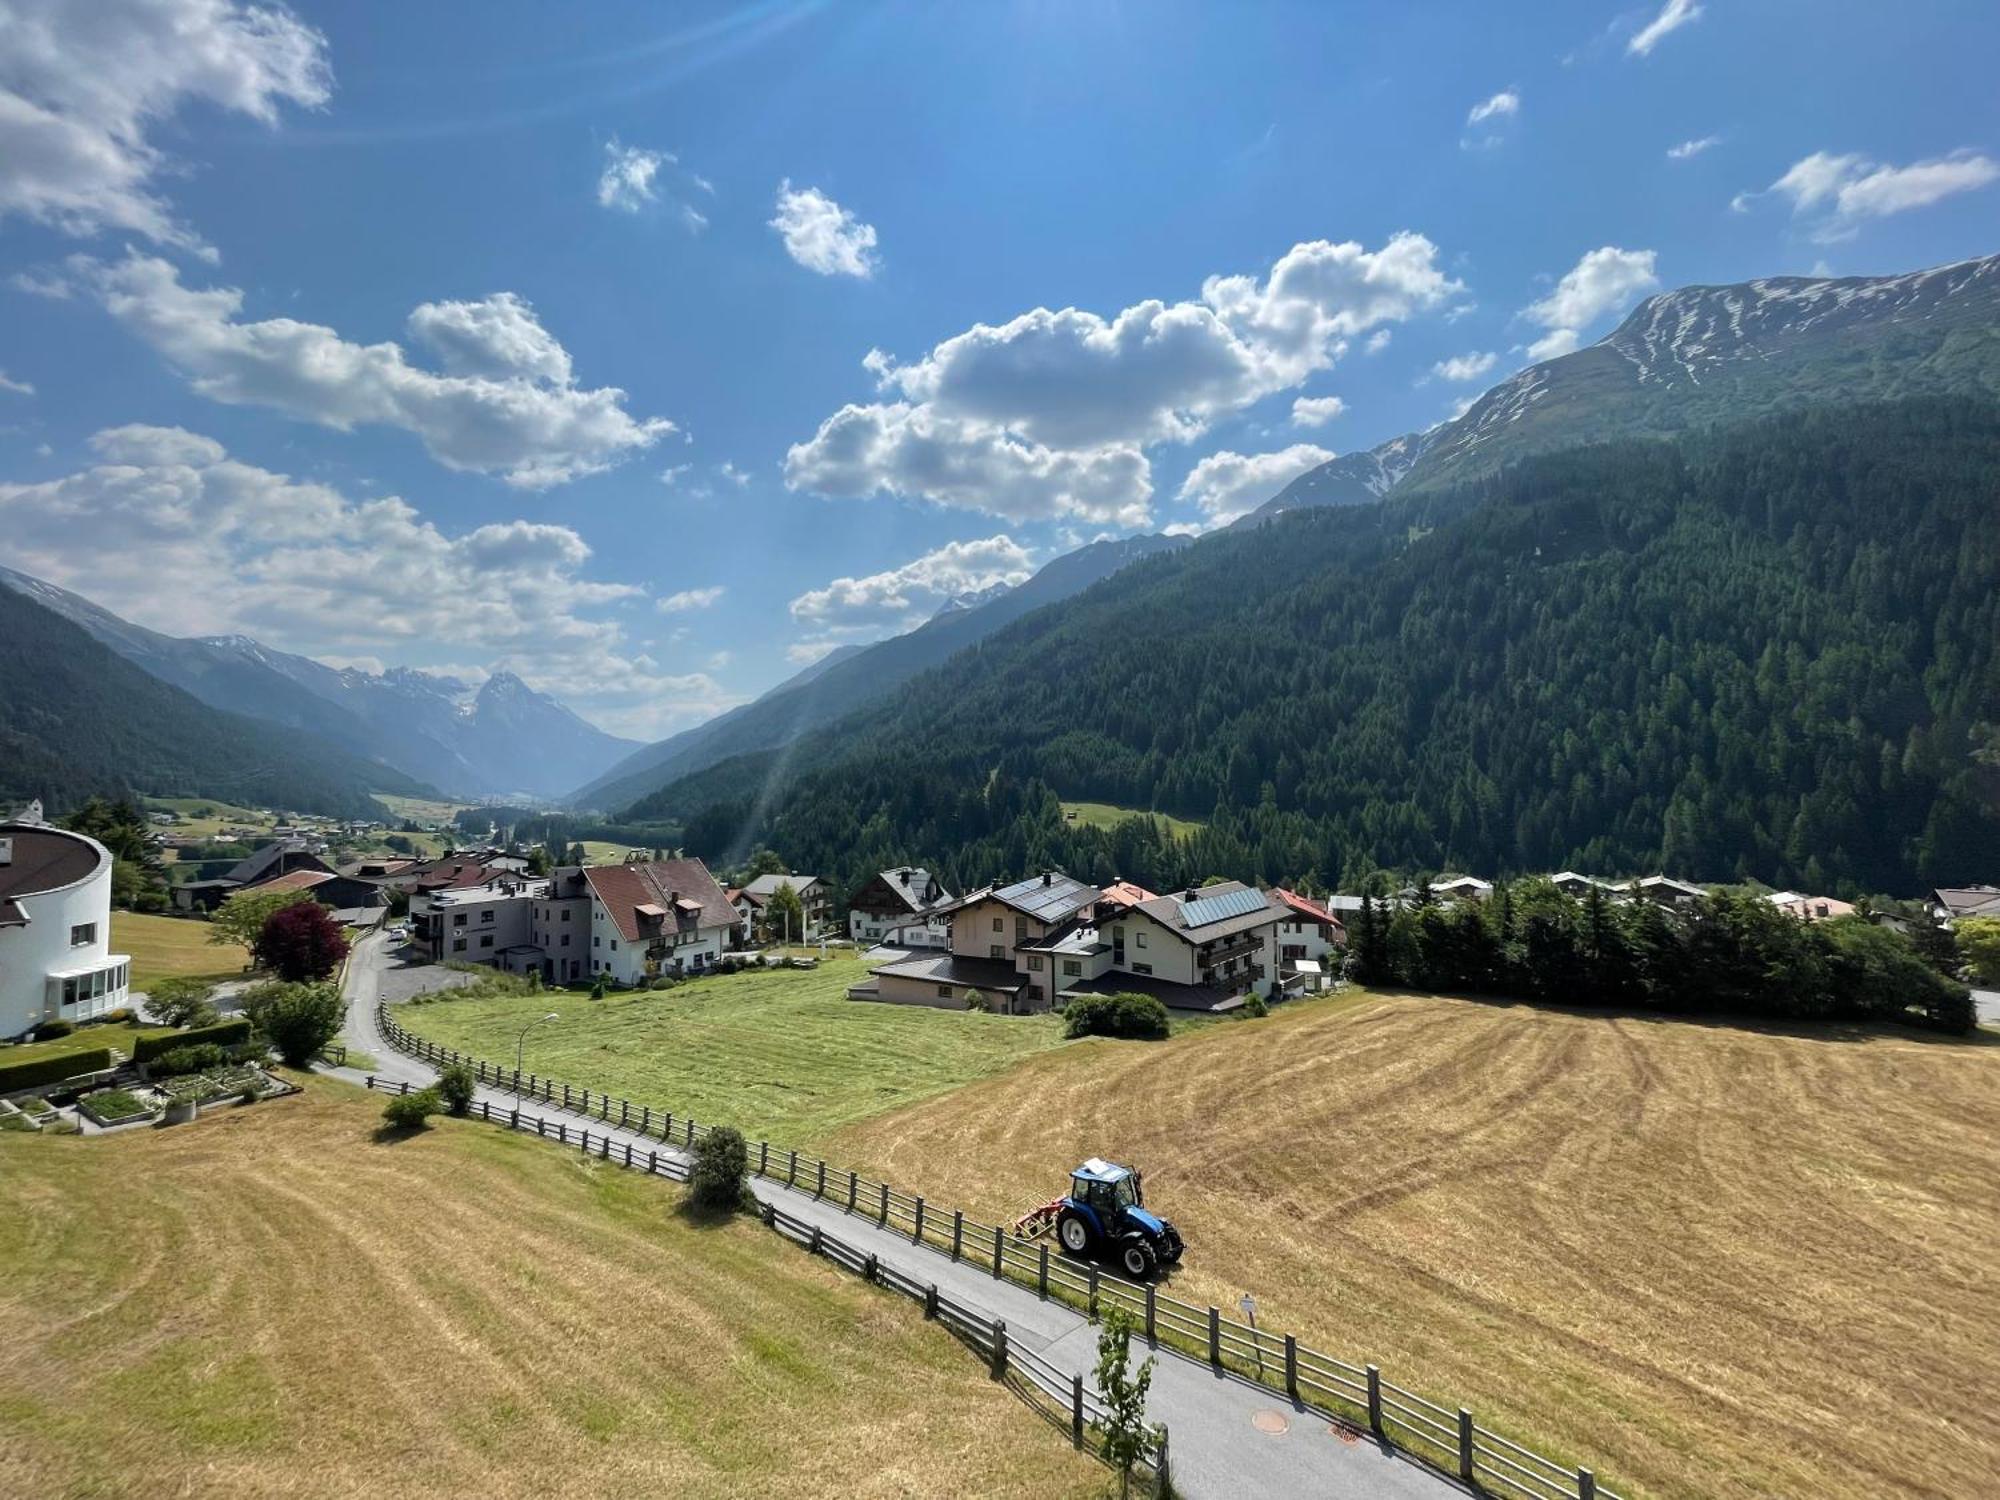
763,1158
565,1096
653,1162
792,1173
999,1348
1152,1322
628,1153
853,1182
1163,1485
667,1129
371,1081
1215,1336
1291,1367
690,1130
819,1188
1375,1401
1093,1291
813,1248
406,1085
885,1205
624,1112
486,1111
1586,1485
1465,1445
513,1119
541,1127
646,1119
917,1234
996,1252
930,1300
957,1231
868,1269
1076,1410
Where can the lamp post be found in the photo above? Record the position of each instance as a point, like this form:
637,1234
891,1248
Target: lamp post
523,1042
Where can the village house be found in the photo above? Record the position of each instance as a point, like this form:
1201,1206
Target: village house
655,917
281,857
903,908
1309,939
814,898
1809,908
1951,904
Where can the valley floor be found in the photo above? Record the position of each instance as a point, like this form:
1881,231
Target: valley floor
1709,1260
274,1301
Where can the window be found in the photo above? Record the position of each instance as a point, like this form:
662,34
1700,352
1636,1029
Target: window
83,934
1071,968
458,945
1035,962
458,919
486,940
944,992
596,941
614,945
565,941
1140,940
487,915
1142,968
996,951
565,913
998,925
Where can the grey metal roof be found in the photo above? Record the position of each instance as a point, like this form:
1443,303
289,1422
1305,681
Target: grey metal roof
1053,897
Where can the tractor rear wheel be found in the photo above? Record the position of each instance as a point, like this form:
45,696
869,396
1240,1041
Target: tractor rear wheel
1073,1232
1138,1260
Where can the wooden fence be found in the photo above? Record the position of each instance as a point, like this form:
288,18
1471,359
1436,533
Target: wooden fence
1447,1438
1064,1396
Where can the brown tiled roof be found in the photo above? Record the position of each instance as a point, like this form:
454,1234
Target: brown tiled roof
1127,893
292,880
1312,911
681,883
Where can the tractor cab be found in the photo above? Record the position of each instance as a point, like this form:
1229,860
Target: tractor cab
1105,1214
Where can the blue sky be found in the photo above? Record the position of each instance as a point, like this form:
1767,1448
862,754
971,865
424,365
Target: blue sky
316,321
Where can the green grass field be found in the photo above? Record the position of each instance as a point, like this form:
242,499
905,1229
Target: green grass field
83,1039
1108,815
163,946
783,1055
420,809
601,852
204,817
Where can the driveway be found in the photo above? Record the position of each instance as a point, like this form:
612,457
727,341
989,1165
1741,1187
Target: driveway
1219,1449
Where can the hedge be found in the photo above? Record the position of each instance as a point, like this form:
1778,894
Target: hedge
222,1034
37,1071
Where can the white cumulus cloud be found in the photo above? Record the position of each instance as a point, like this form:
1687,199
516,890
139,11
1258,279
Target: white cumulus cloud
85,83
907,595
1316,411
635,178
1465,366
1672,17
1227,485
821,235
506,403
1692,148
1843,189
313,571
1503,104
689,599
1603,280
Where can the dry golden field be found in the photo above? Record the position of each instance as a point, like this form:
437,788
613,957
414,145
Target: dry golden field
1709,1261
269,1301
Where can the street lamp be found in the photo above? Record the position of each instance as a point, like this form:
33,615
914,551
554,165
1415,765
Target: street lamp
523,1042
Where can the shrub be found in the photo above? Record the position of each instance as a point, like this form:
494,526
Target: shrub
1126,1015
37,1071
455,1086
1253,1007
297,1019
182,1002
228,1033
119,1017
249,1093
721,1163
188,1060
412,1111
49,1031
662,982
597,987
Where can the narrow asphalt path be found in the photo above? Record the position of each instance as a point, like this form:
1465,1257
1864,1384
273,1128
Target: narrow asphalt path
1218,1451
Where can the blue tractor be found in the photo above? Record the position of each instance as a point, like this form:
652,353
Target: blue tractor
1105,1216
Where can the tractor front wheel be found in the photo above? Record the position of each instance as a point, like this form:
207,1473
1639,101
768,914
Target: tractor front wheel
1073,1232
1138,1260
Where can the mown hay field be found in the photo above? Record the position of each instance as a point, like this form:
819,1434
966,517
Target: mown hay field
1709,1261
272,1301
781,1054
163,947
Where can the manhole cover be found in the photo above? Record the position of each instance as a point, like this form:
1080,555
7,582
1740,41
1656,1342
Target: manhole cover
1346,1434
1273,1422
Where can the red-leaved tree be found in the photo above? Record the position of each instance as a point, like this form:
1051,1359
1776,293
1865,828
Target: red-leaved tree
300,942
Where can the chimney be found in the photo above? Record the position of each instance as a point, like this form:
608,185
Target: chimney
1189,894
1047,878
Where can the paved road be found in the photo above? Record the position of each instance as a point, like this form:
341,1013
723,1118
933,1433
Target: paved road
1218,1454
1987,1003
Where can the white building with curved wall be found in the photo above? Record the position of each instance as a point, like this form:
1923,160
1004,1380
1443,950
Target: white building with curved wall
55,929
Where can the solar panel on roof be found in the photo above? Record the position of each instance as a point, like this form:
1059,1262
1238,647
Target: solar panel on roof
1061,895
1220,908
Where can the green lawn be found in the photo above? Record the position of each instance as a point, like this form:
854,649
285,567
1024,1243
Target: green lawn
603,852
204,817
164,946
781,1055
83,1039
420,809
1109,815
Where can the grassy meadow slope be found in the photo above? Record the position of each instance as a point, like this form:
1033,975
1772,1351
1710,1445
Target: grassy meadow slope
1712,1261
271,1301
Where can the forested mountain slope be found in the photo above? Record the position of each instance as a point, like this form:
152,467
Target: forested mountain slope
1765,651
818,697
1697,356
78,720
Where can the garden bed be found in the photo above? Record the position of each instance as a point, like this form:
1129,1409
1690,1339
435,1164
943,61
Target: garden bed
109,1107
